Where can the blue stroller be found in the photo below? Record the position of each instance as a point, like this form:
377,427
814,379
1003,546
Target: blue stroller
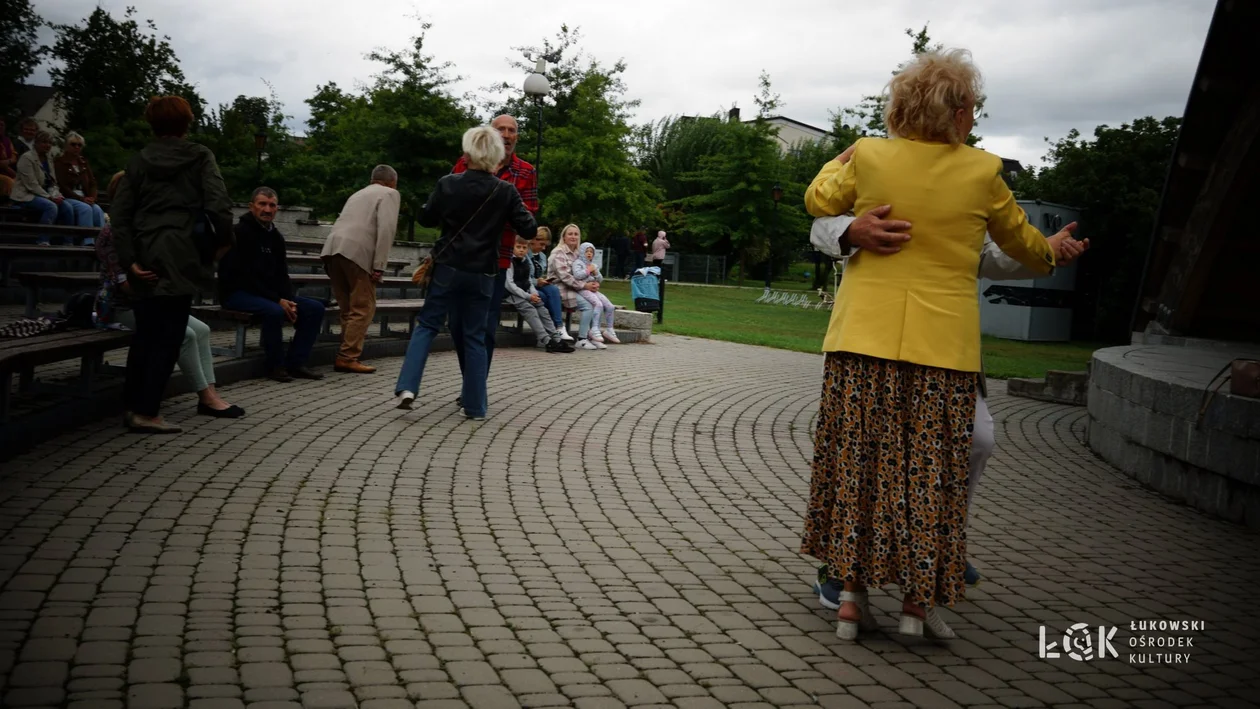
647,287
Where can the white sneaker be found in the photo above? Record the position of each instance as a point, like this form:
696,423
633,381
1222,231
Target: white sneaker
596,335
564,335
405,400
586,345
599,344
610,336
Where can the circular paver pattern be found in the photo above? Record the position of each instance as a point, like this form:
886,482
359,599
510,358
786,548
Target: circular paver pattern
621,531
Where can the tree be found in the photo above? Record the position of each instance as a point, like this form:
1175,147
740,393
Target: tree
1116,179
19,47
588,170
407,118
229,132
105,73
868,117
732,210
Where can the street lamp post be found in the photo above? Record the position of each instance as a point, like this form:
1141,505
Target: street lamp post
260,144
776,193
537,87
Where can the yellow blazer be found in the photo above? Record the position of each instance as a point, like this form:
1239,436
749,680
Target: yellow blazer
920,305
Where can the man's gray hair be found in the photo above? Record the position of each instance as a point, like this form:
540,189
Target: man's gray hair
384,173
264,191
484,147
75,136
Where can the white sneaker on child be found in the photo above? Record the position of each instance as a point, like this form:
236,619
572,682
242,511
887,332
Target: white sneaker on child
610,336
564,334
586,345
599,345
596,335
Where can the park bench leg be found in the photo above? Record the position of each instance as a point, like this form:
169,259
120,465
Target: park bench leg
26,379
239,350
384,326
32,301
6,387
88,366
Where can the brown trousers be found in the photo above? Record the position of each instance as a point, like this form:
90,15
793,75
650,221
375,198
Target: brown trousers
356,294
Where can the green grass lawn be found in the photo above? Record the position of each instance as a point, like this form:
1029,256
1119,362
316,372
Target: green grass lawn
730,314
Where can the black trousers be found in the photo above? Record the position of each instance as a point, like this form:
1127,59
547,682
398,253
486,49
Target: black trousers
160,325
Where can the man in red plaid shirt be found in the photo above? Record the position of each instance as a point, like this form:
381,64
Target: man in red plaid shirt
524,177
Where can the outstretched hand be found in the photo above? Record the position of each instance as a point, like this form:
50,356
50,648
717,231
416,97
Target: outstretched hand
1066,247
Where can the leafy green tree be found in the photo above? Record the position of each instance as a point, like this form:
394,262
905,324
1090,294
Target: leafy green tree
1116,179
230,132
867,118
105,72
19,46
588,173
407,118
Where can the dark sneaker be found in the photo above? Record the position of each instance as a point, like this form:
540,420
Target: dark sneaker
280,374
828,590
304,373
971,577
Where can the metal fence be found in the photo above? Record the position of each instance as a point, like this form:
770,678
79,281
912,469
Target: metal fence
679,268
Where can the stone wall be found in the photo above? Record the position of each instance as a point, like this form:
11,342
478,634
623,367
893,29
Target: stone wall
1145,404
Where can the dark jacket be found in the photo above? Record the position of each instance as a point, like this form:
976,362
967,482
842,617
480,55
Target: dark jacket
256,264
153,213
521,271
620,245
455,201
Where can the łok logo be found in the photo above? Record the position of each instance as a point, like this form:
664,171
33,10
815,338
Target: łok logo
1078,643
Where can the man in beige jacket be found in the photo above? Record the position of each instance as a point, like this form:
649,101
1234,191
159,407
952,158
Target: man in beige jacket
355,257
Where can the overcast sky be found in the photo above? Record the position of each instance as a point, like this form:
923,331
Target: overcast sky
1049,65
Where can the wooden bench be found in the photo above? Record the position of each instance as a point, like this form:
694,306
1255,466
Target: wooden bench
30,232
23,354
18,252
385,309
304,259
34,282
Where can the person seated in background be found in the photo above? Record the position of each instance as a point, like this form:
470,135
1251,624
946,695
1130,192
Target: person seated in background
523,296
254,278
78,184
585,271
196,360
8,160
548,291
36,186
28,130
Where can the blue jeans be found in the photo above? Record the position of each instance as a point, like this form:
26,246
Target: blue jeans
551,298
586,315
310,316
463,296
49,213
86,215
491,317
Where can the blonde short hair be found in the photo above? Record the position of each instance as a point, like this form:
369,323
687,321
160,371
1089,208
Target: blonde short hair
484,147
924,96
543,232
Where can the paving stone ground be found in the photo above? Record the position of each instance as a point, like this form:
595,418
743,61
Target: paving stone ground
631,547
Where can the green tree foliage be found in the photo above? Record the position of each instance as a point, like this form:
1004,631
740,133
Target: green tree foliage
587,174
106,71
230,132
867,118
407,118
1117,180
19,47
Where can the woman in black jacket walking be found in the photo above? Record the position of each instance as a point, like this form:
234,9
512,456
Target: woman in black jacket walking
471,208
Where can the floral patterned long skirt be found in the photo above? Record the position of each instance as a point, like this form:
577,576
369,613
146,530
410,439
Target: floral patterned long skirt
888,496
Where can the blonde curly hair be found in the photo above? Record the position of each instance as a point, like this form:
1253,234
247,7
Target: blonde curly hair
924,97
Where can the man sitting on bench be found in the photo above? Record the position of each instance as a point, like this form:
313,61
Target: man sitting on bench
254,278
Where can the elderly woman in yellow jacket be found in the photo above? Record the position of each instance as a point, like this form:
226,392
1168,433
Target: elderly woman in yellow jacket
889,487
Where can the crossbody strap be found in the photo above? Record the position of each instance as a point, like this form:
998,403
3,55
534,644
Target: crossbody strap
470,220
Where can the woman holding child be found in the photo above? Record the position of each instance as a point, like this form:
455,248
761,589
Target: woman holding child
889,487
573,267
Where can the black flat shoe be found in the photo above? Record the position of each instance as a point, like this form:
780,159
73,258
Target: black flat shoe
304,373
231,412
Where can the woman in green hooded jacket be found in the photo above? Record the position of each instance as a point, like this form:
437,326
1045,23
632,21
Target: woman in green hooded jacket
172,219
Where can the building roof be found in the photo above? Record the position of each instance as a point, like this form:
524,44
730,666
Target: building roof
798,124
1199,279
32,98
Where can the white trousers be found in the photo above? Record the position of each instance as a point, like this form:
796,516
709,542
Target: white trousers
982,443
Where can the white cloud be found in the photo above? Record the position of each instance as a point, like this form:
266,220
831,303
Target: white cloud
1050,65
